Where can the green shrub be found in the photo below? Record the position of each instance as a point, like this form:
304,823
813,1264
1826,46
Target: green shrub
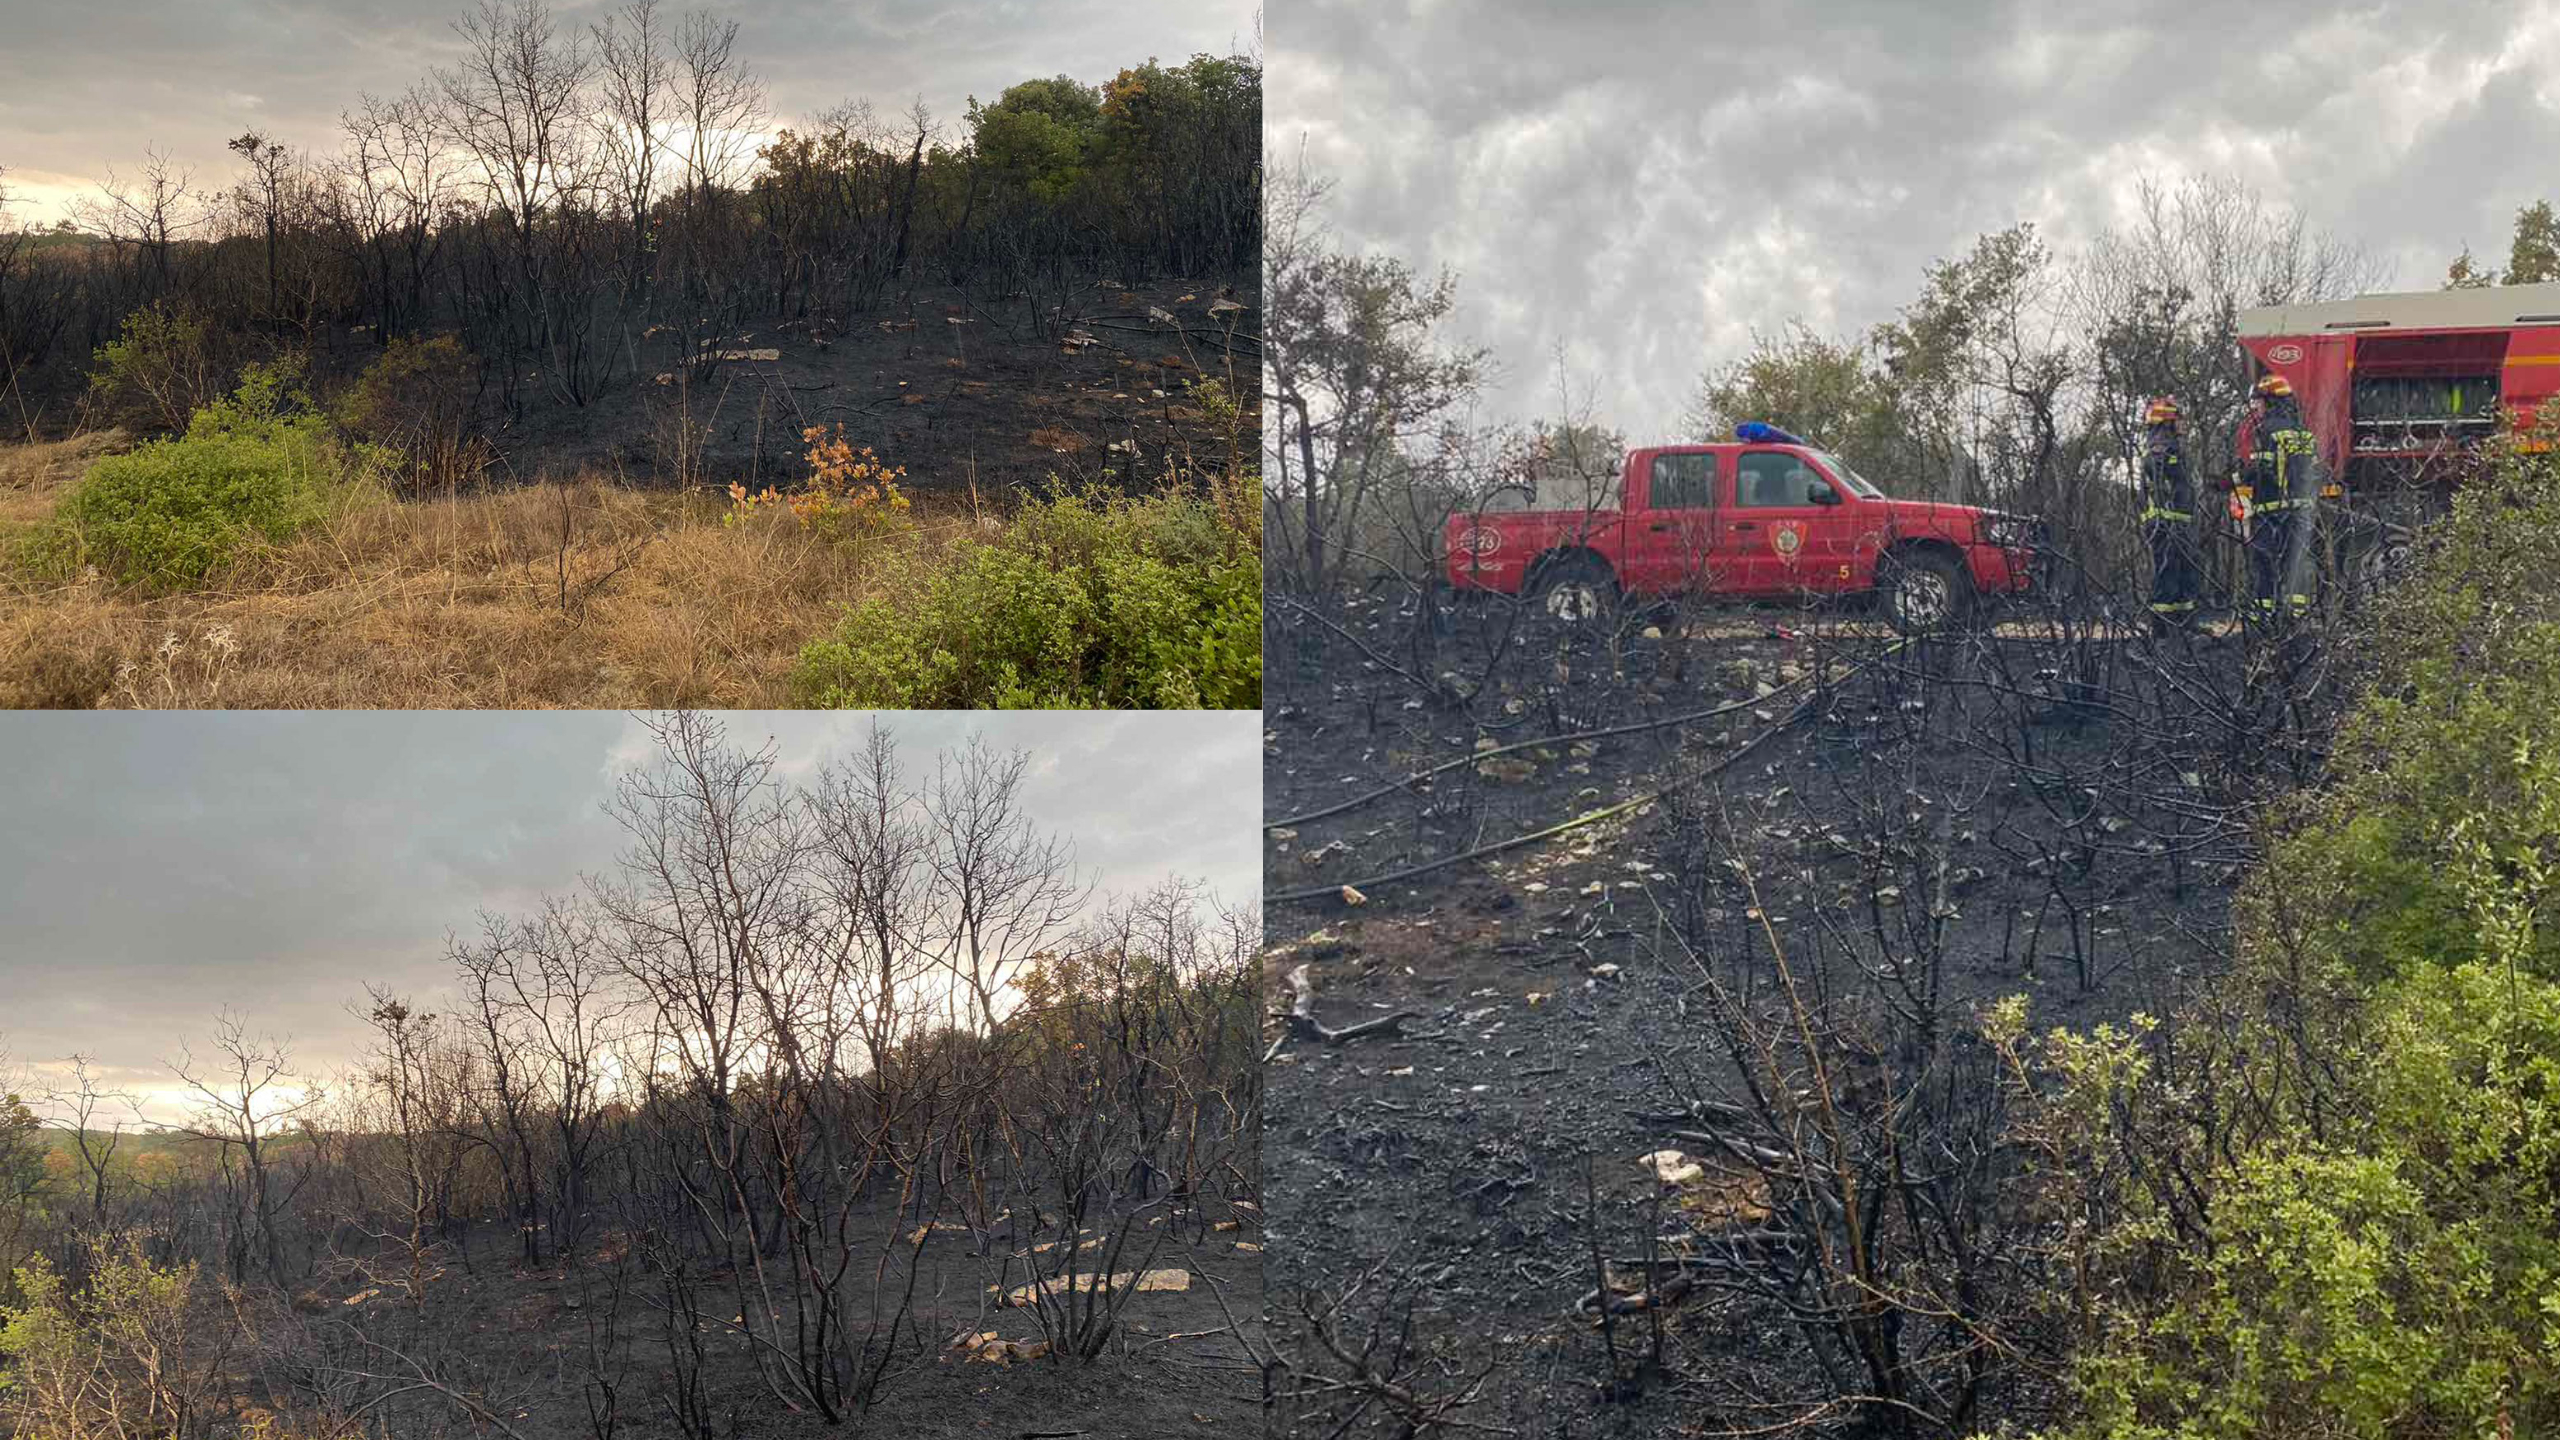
95,1361
2448,747
415,402
2362,1120
1087,601
2397,1275
256,465
162,365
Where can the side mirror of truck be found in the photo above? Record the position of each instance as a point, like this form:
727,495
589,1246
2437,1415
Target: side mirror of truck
1823,495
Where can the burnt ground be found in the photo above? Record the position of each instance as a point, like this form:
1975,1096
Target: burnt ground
957,386
529,1344
998,399
1436,1172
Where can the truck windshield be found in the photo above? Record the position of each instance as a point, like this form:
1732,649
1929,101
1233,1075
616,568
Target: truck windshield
1851,478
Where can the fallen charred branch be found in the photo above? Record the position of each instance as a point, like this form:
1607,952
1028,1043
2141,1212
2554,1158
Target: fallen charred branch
1685,1279
1304,1024
1398,787
1803,708
1342,1374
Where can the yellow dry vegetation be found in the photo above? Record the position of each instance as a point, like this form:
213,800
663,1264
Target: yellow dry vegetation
1164,1279
582,594
1723,1198
987,1347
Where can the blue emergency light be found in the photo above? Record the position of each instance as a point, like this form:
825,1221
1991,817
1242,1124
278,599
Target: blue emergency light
1761,432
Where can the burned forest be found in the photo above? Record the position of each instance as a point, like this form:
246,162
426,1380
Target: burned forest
1637,1063
574,375
592,245
1772,1015
841,1104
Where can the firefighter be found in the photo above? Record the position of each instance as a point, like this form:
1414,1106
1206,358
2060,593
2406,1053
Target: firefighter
2281,487
2168,519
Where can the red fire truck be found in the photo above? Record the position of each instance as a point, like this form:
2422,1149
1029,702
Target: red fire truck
1769,517
2398,390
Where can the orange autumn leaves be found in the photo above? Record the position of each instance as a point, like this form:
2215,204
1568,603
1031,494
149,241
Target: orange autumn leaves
848,489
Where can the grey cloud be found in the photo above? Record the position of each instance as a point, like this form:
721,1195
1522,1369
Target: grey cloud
85,87
1644,185
157,867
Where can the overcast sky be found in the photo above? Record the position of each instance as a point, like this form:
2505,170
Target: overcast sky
154,868
85,84
1645,183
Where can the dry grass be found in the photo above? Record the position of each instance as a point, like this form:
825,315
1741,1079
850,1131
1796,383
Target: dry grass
32,475
571,595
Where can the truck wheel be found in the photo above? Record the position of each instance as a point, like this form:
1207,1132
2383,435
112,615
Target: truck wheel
1577,591
2383,562
1922,591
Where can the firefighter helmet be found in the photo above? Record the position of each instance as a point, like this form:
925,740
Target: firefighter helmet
2273,384
2163,411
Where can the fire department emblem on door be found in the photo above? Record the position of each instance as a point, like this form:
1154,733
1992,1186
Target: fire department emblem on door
1786,540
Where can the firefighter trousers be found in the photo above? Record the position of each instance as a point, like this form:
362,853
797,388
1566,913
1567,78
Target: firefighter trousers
2270,548
2174,567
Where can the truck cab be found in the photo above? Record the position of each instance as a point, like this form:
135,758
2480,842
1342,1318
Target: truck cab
1763,517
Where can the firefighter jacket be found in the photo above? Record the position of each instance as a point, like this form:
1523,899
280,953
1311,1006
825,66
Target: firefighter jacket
2168,491
2280,453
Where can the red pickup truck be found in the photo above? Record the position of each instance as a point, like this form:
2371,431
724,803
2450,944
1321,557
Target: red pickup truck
1746,521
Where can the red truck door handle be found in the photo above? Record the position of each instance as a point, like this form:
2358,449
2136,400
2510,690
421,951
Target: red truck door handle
1746,524
1659,526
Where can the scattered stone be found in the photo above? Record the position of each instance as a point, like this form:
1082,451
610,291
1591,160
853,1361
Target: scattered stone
1672,1167
1172,1279
987,1347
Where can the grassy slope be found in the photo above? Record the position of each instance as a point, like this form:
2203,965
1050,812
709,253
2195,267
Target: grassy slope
455,603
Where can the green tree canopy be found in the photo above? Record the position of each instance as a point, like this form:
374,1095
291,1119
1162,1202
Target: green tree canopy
2535,254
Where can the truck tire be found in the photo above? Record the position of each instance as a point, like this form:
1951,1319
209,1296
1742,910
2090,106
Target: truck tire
1577,590
1922,591
2379,562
